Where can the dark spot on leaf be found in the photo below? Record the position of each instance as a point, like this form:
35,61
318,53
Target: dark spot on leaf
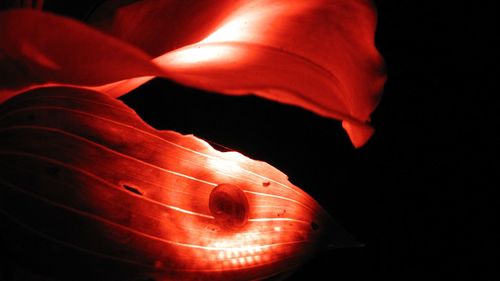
132,189
229,206
282,213
266,183
314,226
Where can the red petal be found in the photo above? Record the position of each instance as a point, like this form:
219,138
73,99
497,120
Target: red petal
319,55
39,48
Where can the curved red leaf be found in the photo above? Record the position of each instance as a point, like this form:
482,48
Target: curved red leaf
86,186
39,48
159,26
319,55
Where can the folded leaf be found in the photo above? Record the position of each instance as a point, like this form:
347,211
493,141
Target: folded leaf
319,55
159,26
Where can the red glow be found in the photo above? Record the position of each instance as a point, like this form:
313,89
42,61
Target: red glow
94,180
83,177
316,54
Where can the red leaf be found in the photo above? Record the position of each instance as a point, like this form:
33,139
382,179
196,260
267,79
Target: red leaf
159,26
39,48
319,55
86,186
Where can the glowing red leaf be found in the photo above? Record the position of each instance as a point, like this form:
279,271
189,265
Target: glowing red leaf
39,48
161,26
87,186
317,54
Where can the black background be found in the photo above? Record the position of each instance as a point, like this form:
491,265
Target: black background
420,193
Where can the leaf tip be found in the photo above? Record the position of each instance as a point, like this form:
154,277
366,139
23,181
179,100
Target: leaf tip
359,133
